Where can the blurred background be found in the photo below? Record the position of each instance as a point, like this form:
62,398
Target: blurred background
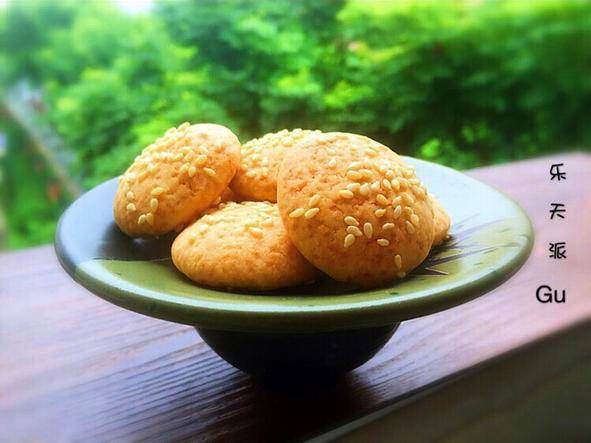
85,85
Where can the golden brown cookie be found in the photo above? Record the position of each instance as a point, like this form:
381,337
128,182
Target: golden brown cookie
174,179
227,195
354,208
256,179
441,221
241,246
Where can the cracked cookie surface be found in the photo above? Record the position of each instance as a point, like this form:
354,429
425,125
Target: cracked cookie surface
241,246
176,178
354,209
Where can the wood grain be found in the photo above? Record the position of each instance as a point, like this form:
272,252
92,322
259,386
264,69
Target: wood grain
73,367
538,394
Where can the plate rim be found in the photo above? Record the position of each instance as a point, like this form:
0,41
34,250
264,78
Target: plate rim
298,319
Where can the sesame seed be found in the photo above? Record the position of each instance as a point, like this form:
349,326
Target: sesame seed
388,226
364,189
397,212
414,219
382,242
345,193
131,207
130,195
381,199
297,213
267,222
352,221
354,175
386,184
395,184
157,191
311,212
403,182
154,204
192,171
151,166
354,187
264,171
178,156
184,168
375,186
414,181
331,151
250,173
408,199
202,228
150,218
401,274
370,153
379,213
332,162
409,227
314,200
354,230
142,175
210,171
389,174
419,192
396,201
366,173
354,165
398,261
408,173
408,210
141,219
184,126
368,229
349,240
257,232
201,159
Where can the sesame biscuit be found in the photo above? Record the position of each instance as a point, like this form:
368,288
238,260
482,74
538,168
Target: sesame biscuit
241,246
256,179
176,178
441,221
227,195
354,209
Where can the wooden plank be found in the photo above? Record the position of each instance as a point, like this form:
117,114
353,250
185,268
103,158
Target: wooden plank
538,394
73,367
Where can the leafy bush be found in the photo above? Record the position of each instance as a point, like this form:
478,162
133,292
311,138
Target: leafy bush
461,83
110,113
497,80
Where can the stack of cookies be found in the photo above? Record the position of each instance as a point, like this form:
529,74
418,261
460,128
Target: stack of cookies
282,209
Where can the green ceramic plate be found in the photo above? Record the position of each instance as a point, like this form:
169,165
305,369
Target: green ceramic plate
491,238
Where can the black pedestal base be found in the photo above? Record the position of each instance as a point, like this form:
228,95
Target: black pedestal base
298,356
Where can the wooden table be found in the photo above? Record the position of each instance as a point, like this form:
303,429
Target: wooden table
73,367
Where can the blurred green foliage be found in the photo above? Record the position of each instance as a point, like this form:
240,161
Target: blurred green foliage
28,195
463,83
